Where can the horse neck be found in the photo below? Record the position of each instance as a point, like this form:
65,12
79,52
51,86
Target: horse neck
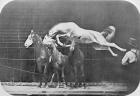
71,52
75,51
55,51
56,54
38,42
38,46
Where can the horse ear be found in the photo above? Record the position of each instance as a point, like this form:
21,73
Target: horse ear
32,31
47,35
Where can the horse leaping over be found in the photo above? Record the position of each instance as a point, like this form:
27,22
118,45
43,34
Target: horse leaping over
102,40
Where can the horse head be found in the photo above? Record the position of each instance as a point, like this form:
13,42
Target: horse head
48,40
32,37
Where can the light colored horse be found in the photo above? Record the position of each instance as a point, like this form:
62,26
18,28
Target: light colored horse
80,35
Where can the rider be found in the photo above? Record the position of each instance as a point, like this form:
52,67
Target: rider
109,33
132,55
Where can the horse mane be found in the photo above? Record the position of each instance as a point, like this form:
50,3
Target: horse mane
39,38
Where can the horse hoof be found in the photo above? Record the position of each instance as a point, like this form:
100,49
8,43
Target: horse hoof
115,55
57,86
75,86
44,86
47,86
84,86
39,86
65,86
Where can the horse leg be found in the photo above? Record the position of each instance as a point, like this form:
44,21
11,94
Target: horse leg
63,77
75,76
52,78
45,75
114,54
83,75
57,73
40,76
115,46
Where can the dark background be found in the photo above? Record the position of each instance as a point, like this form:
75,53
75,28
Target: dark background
19,17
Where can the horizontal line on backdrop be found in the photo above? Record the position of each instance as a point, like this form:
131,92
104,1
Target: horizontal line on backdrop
19,69
33,47
20,32
34,59
15,59
11,42
13,37
15,32
16,35
16,47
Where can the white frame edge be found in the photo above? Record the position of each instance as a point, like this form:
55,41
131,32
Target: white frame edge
136,3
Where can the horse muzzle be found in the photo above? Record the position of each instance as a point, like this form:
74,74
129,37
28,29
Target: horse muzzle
26,46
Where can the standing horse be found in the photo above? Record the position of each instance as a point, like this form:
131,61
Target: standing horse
59,61
42,54
76,60
74,56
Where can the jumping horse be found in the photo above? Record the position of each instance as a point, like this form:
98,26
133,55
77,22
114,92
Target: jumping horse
85,36
42,55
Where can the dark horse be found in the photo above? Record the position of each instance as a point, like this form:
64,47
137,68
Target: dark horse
59,61
76,60
75,57
42,54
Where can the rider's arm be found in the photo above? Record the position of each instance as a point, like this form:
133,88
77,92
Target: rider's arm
58,41
72,45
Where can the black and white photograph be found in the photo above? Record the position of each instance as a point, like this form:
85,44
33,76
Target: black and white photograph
69,48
